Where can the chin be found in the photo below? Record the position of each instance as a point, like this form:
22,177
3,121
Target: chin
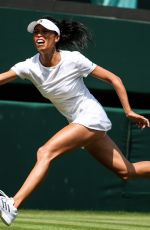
40,49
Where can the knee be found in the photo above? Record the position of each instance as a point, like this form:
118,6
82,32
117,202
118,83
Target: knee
124,176
43,154
128,173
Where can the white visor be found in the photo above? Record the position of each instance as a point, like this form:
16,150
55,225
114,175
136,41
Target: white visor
45,23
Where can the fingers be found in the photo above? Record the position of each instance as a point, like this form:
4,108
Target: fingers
140,120
143,123
148,123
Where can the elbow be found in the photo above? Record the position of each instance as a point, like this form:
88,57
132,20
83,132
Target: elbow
117,81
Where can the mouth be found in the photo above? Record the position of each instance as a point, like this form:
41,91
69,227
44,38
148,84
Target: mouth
40,42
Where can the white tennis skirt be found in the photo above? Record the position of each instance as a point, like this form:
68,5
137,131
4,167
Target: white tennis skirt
92,115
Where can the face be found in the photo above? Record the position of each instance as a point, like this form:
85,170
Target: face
44,39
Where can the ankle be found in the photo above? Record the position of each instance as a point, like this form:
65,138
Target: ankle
17,202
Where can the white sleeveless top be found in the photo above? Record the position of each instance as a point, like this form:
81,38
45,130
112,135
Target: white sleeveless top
63,85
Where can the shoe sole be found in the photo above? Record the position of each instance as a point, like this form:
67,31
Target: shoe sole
3,218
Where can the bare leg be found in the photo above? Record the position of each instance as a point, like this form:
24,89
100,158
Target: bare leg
106,152
67,139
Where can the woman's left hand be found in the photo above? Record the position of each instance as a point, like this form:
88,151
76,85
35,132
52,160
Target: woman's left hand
140,120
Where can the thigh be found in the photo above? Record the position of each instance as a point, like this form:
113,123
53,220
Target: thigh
108,153
71,137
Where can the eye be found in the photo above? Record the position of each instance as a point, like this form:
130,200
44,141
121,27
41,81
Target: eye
44,31
35,32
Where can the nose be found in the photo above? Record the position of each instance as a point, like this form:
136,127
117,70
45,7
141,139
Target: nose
38,34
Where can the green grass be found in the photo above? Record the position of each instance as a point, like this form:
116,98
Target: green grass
79,220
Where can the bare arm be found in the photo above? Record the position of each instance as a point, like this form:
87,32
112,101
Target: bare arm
116,82
7,76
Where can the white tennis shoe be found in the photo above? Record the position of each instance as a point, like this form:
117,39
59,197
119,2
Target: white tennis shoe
8,212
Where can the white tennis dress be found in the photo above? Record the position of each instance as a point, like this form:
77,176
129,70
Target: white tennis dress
63,85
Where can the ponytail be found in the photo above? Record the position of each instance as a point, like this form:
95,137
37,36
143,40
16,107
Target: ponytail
73,35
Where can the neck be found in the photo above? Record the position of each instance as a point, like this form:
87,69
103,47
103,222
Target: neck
50,59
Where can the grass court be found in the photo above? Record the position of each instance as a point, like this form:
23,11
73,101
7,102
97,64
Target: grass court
79,220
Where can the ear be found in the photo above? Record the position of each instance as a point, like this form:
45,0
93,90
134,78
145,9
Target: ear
57,38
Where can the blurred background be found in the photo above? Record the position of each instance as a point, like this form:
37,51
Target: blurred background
121,35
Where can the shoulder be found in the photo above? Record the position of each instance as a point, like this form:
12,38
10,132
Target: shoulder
33,59
70,53
73,56
28,61
23,67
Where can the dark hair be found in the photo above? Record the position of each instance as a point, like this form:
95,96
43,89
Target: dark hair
73,35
